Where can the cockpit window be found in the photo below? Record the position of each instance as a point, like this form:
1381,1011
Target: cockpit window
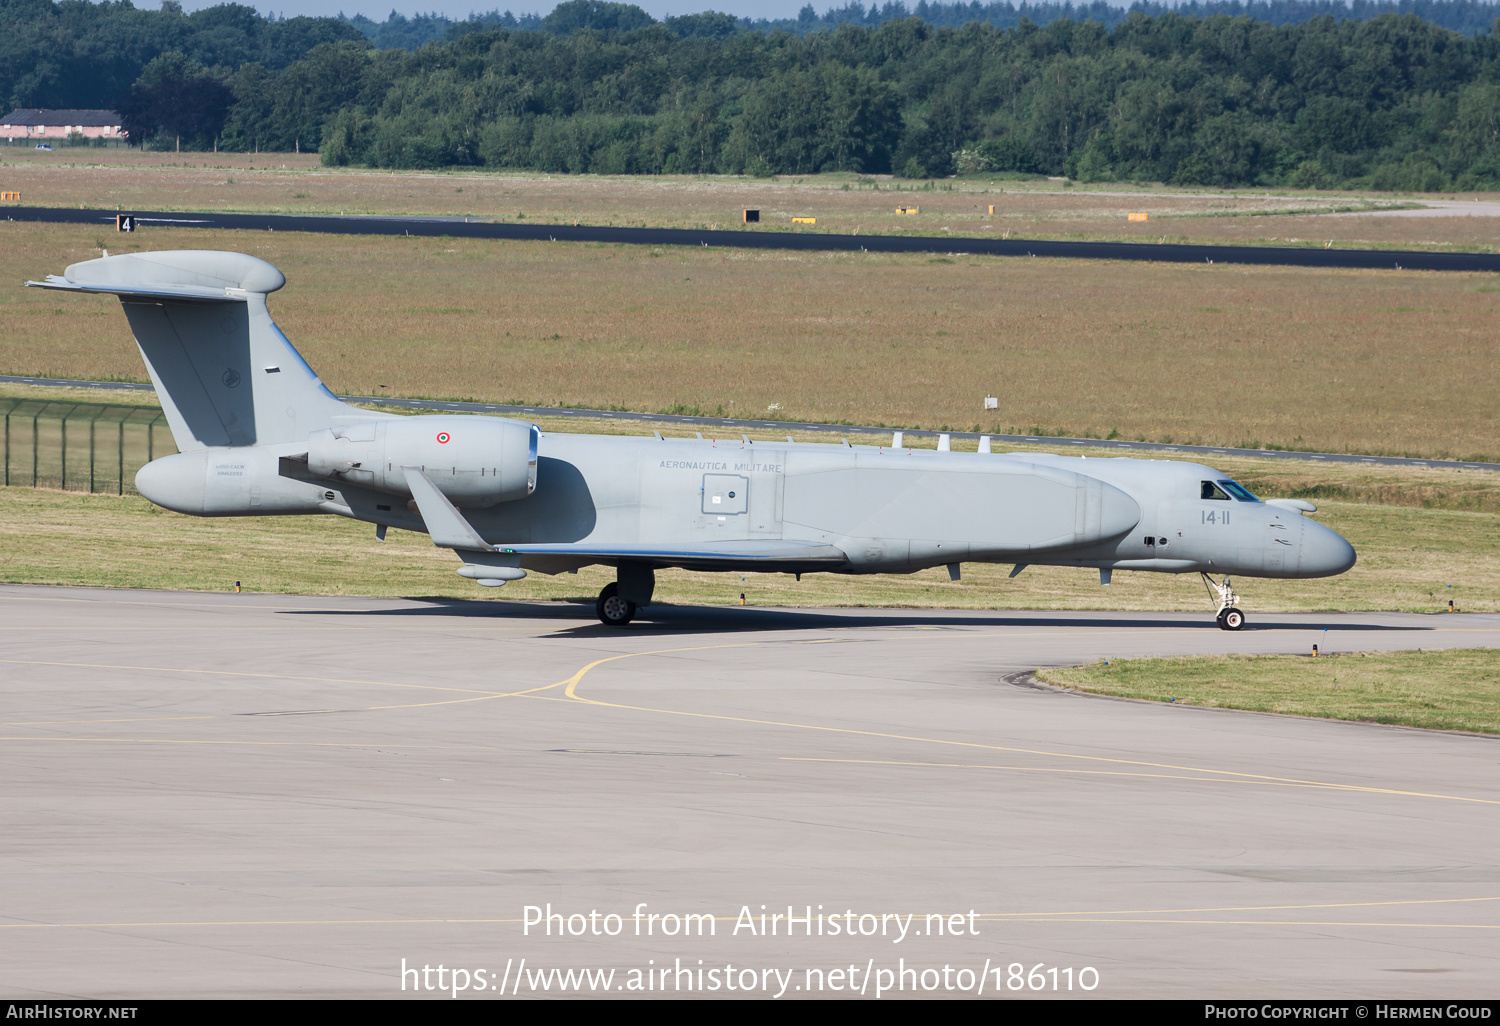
1213,491
1238,491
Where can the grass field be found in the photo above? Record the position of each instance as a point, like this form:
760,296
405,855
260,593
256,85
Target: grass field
841,203
1453,689
1359,361
1409,558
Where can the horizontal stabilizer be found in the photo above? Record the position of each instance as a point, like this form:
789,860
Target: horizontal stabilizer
191,275
445,523
181,293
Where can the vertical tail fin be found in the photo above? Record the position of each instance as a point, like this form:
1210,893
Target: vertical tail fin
224,372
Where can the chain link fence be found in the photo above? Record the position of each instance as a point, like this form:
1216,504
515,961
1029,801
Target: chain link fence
93,447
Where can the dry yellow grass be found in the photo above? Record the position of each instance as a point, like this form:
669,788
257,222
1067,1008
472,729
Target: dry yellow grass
53,394
841,203
1365,361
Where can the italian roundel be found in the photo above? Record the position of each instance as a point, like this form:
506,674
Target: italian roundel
443,437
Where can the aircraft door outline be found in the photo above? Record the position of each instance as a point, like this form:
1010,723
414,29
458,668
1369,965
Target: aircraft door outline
726,495
767,494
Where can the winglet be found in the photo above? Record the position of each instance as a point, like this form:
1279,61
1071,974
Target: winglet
446,525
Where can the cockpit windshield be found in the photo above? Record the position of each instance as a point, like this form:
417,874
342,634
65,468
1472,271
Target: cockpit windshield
1222,490
1238,491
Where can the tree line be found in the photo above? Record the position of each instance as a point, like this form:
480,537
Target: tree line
1466,16
1391,102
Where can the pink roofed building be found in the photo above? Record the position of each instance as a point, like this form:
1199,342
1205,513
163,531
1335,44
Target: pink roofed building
32,123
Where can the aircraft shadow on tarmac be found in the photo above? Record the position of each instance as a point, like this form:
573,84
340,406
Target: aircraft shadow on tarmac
664,620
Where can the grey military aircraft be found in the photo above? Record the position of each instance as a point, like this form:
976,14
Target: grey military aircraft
259,434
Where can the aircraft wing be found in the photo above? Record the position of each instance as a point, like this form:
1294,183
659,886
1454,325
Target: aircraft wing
449,529
764,556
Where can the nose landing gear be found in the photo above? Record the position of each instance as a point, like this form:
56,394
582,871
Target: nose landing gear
1229,617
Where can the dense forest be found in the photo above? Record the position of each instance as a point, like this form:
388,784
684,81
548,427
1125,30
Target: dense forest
87,55
1393,102
1466,16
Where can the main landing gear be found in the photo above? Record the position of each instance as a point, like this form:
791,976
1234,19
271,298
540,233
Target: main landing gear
620,600
612,609
1229,617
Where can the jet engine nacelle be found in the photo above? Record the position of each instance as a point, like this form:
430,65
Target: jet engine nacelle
474,461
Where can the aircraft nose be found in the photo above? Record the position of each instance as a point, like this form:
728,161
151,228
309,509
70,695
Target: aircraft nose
1325,553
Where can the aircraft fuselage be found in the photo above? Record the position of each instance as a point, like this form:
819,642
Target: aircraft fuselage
886,510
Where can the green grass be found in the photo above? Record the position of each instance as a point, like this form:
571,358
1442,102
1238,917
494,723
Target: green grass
1452,689
1424,536
1409,557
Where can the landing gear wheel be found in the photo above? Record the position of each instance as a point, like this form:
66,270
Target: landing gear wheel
612,609
1229,617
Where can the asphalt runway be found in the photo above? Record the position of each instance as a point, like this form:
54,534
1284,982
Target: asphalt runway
1125,448
243,795
462,227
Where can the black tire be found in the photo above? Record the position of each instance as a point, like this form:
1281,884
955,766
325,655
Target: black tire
613,611
1232,620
